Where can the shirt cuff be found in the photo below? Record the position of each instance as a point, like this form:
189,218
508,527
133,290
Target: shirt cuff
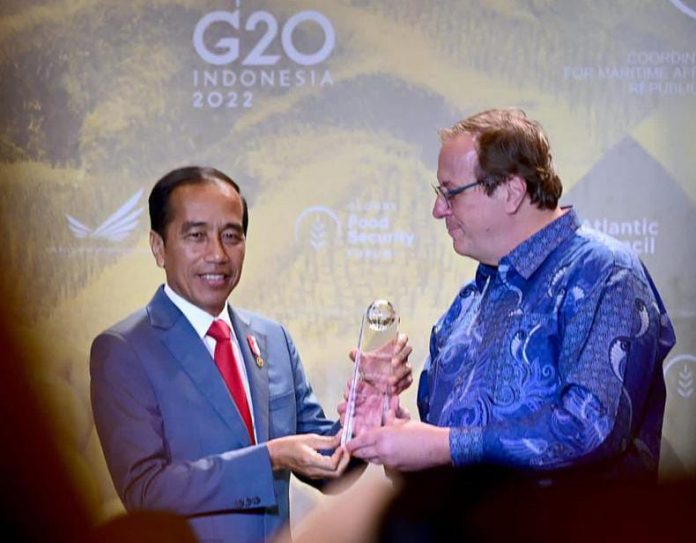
466,445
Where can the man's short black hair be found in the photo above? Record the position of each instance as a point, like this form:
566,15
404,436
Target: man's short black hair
160,212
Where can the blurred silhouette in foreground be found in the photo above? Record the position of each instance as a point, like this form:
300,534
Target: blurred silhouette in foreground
144,527
486,503
40,501
489,503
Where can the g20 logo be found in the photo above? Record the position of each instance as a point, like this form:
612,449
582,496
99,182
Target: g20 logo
227,48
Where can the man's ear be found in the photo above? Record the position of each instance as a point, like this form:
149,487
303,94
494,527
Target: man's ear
516,192
157,248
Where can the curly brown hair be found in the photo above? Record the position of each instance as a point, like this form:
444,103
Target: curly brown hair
509,143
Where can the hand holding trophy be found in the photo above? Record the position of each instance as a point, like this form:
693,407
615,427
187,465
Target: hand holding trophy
369,398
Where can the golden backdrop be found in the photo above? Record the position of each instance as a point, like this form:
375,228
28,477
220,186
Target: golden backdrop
326,113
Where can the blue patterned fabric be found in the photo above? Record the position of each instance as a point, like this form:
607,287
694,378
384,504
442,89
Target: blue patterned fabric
554,358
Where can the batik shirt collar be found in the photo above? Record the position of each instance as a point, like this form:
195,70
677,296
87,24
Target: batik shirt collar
531,253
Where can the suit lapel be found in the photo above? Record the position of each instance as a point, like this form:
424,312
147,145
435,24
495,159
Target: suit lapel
258,376
187,348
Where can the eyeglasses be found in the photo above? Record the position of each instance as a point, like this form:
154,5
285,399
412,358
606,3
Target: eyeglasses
447,195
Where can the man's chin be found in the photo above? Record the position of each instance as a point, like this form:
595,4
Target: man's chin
214,307
215,299
461,247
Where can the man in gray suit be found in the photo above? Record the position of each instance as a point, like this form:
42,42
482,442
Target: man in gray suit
215,444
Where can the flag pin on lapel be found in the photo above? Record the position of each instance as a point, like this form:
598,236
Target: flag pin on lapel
255,350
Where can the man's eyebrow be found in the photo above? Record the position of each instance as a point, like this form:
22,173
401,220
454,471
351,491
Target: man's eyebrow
234,226
189,225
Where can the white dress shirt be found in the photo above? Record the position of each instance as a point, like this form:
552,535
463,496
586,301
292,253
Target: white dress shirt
201,321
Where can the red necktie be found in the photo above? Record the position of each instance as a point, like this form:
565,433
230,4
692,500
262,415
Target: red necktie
224,360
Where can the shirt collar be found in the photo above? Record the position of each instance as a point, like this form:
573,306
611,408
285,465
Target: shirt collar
199,319
531,253
484,273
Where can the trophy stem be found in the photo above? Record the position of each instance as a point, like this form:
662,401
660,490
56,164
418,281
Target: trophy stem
369,399
350,408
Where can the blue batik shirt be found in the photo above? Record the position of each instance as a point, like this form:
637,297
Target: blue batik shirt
552,358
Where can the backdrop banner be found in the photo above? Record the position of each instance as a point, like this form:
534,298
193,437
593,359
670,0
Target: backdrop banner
326,113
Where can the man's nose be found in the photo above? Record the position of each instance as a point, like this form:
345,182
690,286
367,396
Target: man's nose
216,250
441,207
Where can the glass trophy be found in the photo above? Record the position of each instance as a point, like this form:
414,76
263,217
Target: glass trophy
369,398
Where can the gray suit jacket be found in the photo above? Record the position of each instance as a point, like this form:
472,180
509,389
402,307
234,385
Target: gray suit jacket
172,435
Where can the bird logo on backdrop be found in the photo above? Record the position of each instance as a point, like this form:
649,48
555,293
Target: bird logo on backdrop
116,227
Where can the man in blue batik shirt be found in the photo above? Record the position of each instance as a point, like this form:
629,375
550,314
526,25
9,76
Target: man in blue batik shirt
552,356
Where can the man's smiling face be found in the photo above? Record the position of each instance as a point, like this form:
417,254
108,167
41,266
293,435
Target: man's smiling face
203,249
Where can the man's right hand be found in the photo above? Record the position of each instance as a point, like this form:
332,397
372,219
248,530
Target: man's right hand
300,454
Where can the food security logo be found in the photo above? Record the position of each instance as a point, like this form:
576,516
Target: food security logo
367,233
248,54
318,226
679,375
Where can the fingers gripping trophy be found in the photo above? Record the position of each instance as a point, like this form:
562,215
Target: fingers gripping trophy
370,400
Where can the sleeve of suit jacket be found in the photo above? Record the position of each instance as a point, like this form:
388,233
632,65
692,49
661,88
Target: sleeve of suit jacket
131,429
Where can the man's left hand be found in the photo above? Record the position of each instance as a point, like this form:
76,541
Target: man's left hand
402,374
403,445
